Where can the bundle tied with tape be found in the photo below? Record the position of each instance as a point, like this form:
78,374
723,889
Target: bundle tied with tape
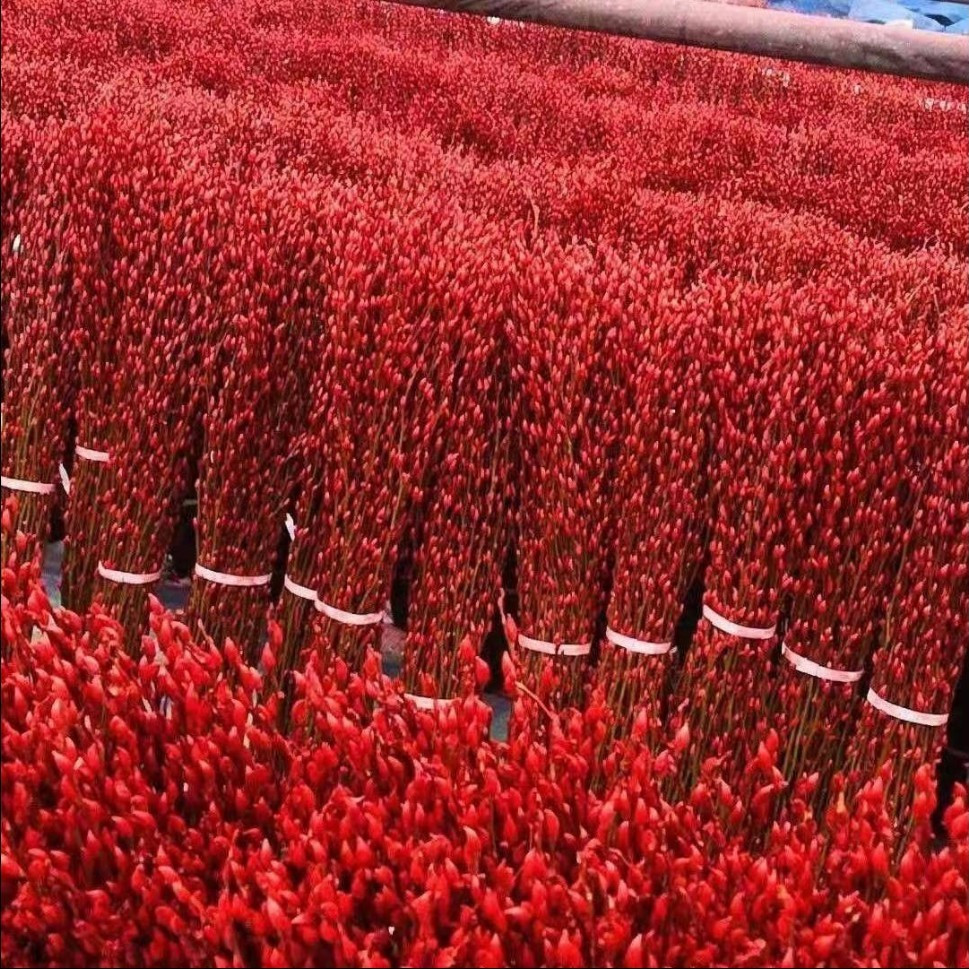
342,616
128,578
348,618
641,646
228,579
22,484
736,629
905,714
804,665
553,649
298,589
29,487
92,454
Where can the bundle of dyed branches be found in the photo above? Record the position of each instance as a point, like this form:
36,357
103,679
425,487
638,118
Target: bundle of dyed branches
377,396
926,626
853,502
755,392
38,384
262,345
570,308
658,496
165,244
100,328
16,176
465,518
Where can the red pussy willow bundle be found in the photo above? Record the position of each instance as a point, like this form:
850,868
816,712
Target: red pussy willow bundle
377,396
570,306
260,349
166,243
38,362
852,502
658,495
101,329
16,176
755,396
464,534
926,625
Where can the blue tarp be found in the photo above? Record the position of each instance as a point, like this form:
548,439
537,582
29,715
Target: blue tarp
936,15
945,13
888,11
821,8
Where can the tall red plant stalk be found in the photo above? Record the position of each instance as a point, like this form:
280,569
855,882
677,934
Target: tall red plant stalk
570,306
38,382
167,243
465,525
377,397
755,393
659,496
926,624
262,345
101,330
853,502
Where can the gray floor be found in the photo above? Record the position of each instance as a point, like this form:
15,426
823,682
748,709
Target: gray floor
174,596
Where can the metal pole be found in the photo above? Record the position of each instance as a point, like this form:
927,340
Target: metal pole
771,33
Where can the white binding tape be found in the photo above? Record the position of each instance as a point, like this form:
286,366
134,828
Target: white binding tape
236,581
904,713
501,606
551,649
637,645
91,454
290,526
128,578
349,618
303,591
427,702
735,629
32,487
65,479
805,665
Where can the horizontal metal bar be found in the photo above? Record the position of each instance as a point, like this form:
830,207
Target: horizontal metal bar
770,33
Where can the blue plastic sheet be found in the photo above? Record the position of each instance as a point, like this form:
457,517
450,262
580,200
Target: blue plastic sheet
934,15
945,13
887,12
819,8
